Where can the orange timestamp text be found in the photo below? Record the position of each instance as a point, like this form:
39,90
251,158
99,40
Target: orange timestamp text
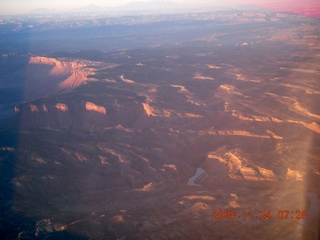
262,214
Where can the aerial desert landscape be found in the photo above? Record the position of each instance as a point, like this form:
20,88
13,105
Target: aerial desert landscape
187,125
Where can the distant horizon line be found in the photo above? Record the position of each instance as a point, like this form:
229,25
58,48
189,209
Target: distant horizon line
307,10
180,6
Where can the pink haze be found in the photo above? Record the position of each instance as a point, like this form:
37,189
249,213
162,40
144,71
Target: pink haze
306,7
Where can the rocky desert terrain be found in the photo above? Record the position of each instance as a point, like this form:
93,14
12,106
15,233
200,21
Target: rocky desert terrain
151,142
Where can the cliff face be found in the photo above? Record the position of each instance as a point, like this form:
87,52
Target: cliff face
31,77
70,114
24,77
65,75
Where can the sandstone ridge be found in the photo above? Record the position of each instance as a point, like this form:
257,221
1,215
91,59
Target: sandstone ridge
67,74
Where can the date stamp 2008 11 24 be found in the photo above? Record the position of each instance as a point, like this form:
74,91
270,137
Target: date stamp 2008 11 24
262,214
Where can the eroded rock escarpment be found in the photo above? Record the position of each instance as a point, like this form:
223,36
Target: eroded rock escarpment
28,77
60,74
76,113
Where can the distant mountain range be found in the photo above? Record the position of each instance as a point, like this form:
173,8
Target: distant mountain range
153,5
312,8
89,8
43,11
133,6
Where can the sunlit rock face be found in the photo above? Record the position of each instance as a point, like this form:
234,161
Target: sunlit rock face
61,107
64,74
78,113
34,76
95,108
234,165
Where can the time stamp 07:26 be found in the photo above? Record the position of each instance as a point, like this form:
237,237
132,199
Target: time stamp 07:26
262,214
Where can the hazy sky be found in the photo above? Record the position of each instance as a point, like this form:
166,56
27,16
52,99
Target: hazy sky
24,6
